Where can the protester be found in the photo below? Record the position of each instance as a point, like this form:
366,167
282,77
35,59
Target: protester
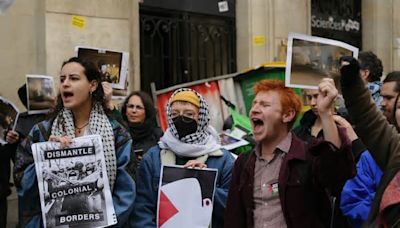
138,115
310,129
80,111
25,121
24,124
6,153
371,70
139,112
382,140
188,141
396,110
310,124
359,192
283,182
389,94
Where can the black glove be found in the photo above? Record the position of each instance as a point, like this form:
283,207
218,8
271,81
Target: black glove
349,73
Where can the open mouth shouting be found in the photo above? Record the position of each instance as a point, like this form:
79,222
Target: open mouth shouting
258,125
67,96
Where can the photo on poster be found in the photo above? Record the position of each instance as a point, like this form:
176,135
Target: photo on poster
8,117
185,197
41,93
310,59
230,142
112,64
120,94
73,184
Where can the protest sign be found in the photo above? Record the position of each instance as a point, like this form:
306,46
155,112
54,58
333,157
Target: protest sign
73,185
230,142
8,117
310,58
112,64
41,93
185,197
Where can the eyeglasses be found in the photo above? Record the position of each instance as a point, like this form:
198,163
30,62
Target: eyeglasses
137,107
186,113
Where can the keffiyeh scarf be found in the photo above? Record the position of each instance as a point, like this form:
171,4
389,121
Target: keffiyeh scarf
99,124
204,140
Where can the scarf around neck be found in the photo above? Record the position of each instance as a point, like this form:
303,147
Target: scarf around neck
143,130
99,124
170,142
202,132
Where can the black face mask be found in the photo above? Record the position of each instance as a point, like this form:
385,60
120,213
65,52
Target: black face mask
185,125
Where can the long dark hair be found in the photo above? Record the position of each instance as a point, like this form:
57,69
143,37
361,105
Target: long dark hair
92,73
150,111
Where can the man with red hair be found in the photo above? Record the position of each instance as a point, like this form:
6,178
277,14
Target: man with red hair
283,182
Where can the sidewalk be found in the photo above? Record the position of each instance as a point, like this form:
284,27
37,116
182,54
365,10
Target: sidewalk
12,218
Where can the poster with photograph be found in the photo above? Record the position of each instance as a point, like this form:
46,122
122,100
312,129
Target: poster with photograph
113,64
310,58
41,93
73,184
8,117
230,142
185,197
119,95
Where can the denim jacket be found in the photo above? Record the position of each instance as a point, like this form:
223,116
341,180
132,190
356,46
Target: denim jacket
145,209
30,214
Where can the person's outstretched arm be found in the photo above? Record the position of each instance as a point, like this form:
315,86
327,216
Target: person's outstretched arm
326,97
381,139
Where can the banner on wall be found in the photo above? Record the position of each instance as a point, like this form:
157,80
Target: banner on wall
210,92
237,88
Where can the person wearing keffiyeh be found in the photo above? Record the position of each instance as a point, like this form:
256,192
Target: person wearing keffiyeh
189,140
80,110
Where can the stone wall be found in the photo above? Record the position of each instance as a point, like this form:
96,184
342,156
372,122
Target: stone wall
105,24
38,35
22,46
263,27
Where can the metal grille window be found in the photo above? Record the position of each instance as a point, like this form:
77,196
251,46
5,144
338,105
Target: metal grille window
179,47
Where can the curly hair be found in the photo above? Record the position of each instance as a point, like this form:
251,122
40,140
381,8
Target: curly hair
289,99
369,61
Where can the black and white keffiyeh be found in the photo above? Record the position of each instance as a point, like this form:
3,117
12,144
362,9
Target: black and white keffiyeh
99,124
205,140
201,134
